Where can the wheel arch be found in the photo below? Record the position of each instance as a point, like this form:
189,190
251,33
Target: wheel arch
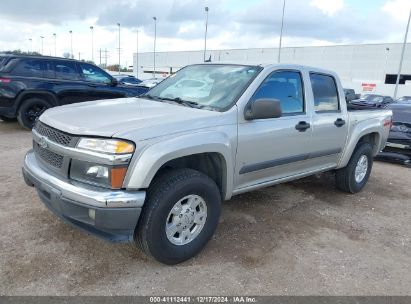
48,96
201,152
372,136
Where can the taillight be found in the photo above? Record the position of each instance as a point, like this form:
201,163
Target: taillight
388,123
4,80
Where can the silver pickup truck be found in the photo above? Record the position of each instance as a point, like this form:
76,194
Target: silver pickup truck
155,169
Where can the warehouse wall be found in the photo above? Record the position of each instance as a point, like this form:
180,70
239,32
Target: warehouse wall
357,65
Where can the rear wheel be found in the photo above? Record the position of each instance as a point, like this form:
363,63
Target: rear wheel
355,175
30,110
179,217
7,119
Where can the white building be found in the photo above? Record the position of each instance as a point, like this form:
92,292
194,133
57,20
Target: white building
365,68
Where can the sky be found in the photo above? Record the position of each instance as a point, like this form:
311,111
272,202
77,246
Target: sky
181,24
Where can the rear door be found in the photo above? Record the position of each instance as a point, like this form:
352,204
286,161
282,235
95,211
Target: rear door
329,126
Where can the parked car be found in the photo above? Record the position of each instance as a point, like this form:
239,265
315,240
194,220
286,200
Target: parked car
149,83
127,79
370,101
29,85
398,148
350,94
155,169
404,99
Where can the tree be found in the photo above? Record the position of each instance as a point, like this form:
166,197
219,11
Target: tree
20,52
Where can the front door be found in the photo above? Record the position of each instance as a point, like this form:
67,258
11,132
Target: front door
270,149
99,82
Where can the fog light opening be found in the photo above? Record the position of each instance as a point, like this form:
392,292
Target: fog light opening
92,214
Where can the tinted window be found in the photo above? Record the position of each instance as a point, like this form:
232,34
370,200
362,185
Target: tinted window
285,86
66,70
49,71
325,92
29,68
94,74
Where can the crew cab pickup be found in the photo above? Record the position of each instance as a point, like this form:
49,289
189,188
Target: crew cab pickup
154,169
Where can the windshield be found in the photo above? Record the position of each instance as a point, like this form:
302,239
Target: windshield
214,86
405,99
373,98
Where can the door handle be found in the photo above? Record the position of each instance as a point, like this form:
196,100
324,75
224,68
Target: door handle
339,122
302,126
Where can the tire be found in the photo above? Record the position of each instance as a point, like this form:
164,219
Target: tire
166,193
7,119
346,177
30,110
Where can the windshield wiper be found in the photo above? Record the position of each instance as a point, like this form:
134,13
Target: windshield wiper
148,96
191,104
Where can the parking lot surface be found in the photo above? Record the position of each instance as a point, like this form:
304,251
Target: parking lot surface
299,238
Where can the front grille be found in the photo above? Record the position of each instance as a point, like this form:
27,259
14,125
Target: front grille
53,134
53,159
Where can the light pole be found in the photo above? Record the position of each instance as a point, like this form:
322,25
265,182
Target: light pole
205,34
71,45
118,24
137,55
92,43
31,45
55,44
402,57
281,33
42,38
387,50
155,38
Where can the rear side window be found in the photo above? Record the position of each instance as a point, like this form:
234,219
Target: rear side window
29,68
285,86
325,93
66,70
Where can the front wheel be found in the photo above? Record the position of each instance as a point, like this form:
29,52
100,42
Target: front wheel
179,217
355,175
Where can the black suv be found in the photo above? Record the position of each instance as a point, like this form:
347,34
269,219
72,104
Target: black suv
31,84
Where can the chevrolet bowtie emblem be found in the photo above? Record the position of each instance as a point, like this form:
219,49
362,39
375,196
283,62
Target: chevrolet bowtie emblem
43,142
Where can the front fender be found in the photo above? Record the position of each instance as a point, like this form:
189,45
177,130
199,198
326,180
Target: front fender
146,164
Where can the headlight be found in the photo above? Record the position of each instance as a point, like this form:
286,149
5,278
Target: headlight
98,175
110,146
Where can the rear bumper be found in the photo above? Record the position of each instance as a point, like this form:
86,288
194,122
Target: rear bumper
111,215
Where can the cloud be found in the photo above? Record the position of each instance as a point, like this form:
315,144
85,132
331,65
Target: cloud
397,9
180,24
328,7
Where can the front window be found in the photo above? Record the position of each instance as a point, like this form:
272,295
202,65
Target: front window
287,87
94,74
213,86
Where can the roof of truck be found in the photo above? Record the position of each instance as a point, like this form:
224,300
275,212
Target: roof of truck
269,65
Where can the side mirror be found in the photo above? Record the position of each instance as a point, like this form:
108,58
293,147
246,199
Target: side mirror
263,109
114,82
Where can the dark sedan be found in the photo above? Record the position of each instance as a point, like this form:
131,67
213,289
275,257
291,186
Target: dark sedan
398,146
370,101
127,79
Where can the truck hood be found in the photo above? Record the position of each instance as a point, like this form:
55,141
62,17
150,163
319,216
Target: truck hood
130,118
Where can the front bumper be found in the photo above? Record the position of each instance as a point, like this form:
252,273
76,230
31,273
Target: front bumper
109,214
